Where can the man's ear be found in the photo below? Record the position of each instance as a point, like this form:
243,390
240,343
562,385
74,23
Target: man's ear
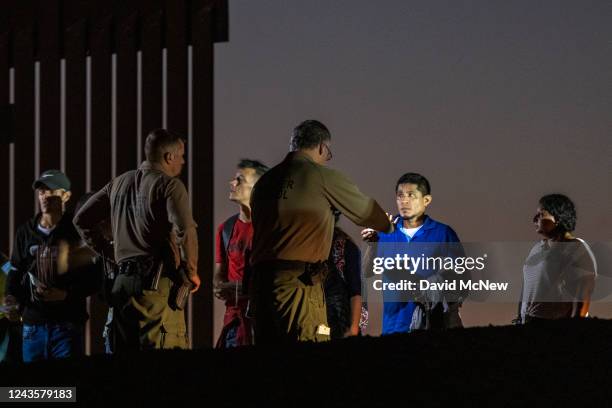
427,199
168,156
66,196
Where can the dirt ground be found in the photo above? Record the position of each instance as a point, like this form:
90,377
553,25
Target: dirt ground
562,362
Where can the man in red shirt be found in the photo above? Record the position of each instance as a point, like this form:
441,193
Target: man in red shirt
233,246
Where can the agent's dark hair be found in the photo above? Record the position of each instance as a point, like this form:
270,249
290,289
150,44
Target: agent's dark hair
562,208
159,142
415,178
256,165
308,134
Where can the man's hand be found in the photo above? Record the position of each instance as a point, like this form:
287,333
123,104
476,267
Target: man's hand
222,293
369,235
195,280
225,290
13,311
51,294
392,221
352,331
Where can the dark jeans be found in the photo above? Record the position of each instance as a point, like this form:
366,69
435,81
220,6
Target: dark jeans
338,305
51,341
231,338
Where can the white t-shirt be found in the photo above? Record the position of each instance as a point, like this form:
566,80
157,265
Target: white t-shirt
410,232
46,231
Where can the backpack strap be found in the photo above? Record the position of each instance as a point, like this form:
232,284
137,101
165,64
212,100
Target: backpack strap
228,229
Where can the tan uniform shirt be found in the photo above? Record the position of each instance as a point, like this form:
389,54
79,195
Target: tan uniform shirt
291,210
149,213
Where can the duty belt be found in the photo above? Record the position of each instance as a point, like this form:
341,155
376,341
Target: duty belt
313,272
148,268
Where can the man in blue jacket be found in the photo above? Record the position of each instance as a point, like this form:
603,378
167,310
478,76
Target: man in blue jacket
419,235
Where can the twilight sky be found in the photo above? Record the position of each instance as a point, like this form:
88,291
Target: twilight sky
496,102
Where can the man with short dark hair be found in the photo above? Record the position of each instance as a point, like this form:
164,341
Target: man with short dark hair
150,218
232,265
414,229
310,134
293,227
51,296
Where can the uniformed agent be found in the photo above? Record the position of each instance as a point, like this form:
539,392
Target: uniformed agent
150,219
293,228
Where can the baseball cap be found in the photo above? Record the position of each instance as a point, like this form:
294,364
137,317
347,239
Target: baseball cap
52,179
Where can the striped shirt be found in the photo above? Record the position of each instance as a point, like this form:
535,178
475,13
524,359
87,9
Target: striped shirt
552,274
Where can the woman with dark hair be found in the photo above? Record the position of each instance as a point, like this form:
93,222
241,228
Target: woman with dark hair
346,315
559,272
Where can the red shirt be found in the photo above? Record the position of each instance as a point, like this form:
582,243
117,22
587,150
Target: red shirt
240,243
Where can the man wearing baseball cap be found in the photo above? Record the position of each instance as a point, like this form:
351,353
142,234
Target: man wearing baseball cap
53,180
50,296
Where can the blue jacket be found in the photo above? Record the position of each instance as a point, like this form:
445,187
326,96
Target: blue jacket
397,316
